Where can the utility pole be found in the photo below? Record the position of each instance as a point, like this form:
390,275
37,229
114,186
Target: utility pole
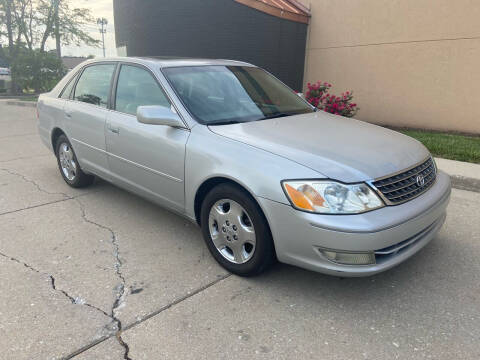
102,22
57,29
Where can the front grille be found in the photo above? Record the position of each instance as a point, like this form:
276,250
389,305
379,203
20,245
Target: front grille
408,184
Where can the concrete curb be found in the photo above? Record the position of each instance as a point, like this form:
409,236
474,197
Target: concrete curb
22,103
464,175
465,183
460,168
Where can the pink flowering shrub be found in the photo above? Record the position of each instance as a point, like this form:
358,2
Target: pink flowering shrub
318,95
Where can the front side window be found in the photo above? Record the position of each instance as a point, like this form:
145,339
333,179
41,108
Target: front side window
137,87
93,86
230,94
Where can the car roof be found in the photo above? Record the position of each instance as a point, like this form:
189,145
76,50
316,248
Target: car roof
166,61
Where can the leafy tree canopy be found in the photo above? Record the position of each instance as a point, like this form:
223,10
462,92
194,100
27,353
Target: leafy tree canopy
26,26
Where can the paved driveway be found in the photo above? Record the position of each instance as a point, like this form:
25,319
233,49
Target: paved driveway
78,265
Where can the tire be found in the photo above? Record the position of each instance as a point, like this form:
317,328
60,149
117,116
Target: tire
68,164
228,216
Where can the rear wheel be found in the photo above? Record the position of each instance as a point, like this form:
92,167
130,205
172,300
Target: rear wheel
68,165
236,231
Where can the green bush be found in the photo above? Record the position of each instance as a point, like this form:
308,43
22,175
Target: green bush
37,71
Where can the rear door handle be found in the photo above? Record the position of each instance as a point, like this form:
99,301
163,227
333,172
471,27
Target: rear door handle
114,130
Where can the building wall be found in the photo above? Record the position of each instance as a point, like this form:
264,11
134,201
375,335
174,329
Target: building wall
212,29
413,63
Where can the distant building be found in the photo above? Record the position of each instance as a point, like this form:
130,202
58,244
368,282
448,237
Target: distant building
410,63
71,61
269,33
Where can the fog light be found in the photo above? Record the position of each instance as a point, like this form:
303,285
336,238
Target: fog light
349,258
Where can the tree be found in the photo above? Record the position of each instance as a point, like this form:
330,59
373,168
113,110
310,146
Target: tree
71,21
24,15
39,20
7,10
30,23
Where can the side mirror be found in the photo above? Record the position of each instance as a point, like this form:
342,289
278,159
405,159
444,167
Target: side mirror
159,115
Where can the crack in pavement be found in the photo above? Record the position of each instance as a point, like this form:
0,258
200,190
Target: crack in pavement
177,301
39,205
24,158
121,289
39,188
49,203
79,301
11,172
73,300
152,314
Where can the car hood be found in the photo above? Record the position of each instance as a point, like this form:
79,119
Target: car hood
339,148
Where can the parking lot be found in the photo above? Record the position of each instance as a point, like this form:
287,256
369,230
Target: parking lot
100,273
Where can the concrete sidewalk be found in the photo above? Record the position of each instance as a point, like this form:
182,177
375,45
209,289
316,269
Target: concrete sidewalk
465,176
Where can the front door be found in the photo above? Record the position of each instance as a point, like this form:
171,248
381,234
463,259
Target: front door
149,159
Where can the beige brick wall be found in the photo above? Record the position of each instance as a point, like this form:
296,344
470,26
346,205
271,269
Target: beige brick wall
412,63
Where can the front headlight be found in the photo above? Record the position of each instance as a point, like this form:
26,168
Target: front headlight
331,197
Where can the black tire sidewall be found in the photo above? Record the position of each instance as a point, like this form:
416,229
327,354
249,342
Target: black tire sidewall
264,250
81,179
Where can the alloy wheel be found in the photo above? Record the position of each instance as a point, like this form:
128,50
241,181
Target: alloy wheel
232,231
67,162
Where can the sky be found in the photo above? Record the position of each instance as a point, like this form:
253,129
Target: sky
98,8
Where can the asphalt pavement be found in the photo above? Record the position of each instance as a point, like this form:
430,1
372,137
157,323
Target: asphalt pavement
100,273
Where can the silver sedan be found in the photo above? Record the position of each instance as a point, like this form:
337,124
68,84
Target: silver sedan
264,174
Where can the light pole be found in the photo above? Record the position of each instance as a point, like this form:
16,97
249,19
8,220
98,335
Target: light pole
102,22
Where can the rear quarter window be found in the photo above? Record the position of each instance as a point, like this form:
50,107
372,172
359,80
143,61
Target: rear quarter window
67,90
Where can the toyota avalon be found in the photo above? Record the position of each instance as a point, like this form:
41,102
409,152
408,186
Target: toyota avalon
265,175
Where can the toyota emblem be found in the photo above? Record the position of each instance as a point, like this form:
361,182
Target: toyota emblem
420,180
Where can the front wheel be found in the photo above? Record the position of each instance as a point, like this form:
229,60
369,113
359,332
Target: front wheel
236,231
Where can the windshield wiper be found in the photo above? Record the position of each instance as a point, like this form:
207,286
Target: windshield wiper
228,122
277,115
224,122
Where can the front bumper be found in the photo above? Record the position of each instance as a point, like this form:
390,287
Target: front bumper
394,232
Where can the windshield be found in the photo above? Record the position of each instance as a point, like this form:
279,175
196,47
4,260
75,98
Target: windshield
217,95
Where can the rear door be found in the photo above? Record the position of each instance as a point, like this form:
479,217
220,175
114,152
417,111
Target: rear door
149,159
86,114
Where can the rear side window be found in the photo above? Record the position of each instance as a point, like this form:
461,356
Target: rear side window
137,87
93,86
67,90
